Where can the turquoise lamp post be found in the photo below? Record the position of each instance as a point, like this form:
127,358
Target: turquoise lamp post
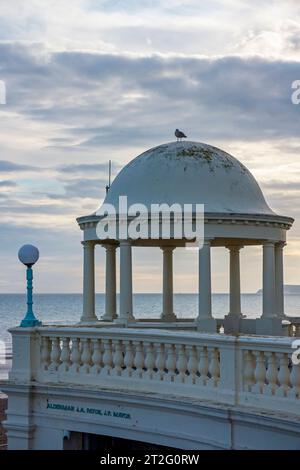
28,255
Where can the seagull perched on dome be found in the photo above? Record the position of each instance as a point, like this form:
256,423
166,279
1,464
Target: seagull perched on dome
179,134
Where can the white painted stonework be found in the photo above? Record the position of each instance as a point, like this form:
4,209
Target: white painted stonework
189,172
182,389
201,383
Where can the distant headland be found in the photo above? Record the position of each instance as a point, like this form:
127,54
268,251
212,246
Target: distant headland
288,289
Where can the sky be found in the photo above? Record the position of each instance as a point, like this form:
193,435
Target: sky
93,80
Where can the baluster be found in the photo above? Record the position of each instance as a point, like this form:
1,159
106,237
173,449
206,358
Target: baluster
96,356
297,330
138,359
283,375
85,356
192,365
170,363
260,372
117,359
291,330
203,365
294,392
55,354
65,355
271,374
249,368
181,364
149,361
214,368
128,359
160,362
45,352
75,356
107,357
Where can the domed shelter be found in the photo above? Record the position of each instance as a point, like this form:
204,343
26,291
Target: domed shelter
109,378
190,172
235,215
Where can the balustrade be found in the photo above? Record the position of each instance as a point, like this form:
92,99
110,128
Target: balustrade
260,371
115,357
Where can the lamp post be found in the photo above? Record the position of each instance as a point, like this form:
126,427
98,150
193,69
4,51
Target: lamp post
28,255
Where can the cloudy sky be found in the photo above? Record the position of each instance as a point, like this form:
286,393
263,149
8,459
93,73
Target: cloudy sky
93,80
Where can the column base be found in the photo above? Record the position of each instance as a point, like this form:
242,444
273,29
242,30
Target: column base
108,318
208,325
168,317
232,324
269,326
248,326
88,320
124,321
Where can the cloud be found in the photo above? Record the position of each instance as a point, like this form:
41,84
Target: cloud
165,26
7,184
7,166
87,94
82,188
86,168
135,100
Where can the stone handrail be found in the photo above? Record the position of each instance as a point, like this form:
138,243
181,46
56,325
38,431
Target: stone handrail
246,370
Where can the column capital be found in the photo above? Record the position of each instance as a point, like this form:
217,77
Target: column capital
234,247
88,243
270,243
167,248
206,242
109,247
280,245
125,241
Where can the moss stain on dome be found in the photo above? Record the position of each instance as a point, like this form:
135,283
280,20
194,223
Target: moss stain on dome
199,153
207,155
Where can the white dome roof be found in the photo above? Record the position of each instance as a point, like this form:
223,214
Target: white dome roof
189,172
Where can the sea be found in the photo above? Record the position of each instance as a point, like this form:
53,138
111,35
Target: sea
66,308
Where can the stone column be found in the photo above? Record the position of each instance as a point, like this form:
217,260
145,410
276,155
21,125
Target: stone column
110,284
235,281
232,320
125,282
88,314
269,310
269,323
279,279
205,321
167,313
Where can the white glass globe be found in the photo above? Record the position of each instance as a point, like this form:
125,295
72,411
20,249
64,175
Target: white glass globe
28,255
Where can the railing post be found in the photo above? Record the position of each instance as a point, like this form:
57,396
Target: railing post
26,354
230,369
26,360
